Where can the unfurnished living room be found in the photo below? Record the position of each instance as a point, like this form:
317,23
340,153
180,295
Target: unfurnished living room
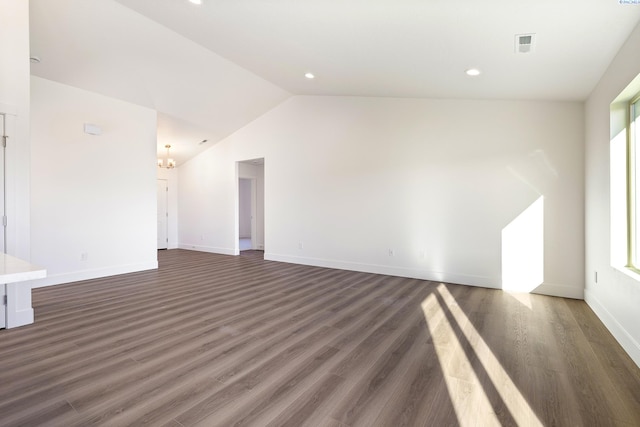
320,213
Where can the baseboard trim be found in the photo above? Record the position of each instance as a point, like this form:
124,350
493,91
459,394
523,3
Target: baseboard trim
76,276
434,276
562,291
210,249
628,343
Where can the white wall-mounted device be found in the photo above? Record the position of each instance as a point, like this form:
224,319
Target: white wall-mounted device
92,129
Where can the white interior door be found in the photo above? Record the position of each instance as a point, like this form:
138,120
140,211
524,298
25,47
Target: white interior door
3,132
3,287
163,214
254,236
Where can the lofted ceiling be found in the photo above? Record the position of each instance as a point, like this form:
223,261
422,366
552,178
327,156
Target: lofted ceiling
211,69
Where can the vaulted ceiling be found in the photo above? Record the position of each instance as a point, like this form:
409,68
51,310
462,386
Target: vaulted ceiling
210,69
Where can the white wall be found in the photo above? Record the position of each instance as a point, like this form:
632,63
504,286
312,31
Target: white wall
207,202
171,175
93,198
616,296
14,99
436,182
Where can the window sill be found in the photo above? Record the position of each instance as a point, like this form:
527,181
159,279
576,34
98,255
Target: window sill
629,272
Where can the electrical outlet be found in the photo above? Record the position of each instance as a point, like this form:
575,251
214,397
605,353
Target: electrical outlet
84,256
391,252
300,245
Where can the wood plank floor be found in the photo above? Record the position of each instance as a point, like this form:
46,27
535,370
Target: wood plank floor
214,340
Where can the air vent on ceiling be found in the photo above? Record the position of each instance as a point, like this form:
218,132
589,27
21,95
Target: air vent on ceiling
525,43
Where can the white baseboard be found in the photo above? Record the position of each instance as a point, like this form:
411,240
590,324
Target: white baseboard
210,249
623,337
559,291
76,276
435,276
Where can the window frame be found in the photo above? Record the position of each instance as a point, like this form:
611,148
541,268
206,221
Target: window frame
633,196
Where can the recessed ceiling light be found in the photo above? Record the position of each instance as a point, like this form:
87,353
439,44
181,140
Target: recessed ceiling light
196,1
309,76
472,72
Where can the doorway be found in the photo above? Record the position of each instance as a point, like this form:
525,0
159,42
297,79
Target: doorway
250,219
163,214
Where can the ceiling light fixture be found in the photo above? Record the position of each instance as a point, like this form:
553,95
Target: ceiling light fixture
170,162
472,72
198,2
309,76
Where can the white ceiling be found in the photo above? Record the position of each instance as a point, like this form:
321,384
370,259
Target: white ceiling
104,47
211,69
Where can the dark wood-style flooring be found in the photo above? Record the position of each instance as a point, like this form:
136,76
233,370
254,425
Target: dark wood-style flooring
214,340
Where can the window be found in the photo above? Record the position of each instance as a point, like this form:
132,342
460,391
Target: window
633,184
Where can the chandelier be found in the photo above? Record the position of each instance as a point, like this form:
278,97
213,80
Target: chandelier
170,162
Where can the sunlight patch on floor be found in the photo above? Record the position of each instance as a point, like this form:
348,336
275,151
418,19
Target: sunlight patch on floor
467,392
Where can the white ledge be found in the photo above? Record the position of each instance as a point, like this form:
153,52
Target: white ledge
13,270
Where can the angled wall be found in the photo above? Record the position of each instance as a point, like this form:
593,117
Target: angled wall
435,189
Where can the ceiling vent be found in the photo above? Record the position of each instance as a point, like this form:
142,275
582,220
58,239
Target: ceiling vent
525,43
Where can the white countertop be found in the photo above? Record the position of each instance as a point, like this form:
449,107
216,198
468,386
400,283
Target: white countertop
13,270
